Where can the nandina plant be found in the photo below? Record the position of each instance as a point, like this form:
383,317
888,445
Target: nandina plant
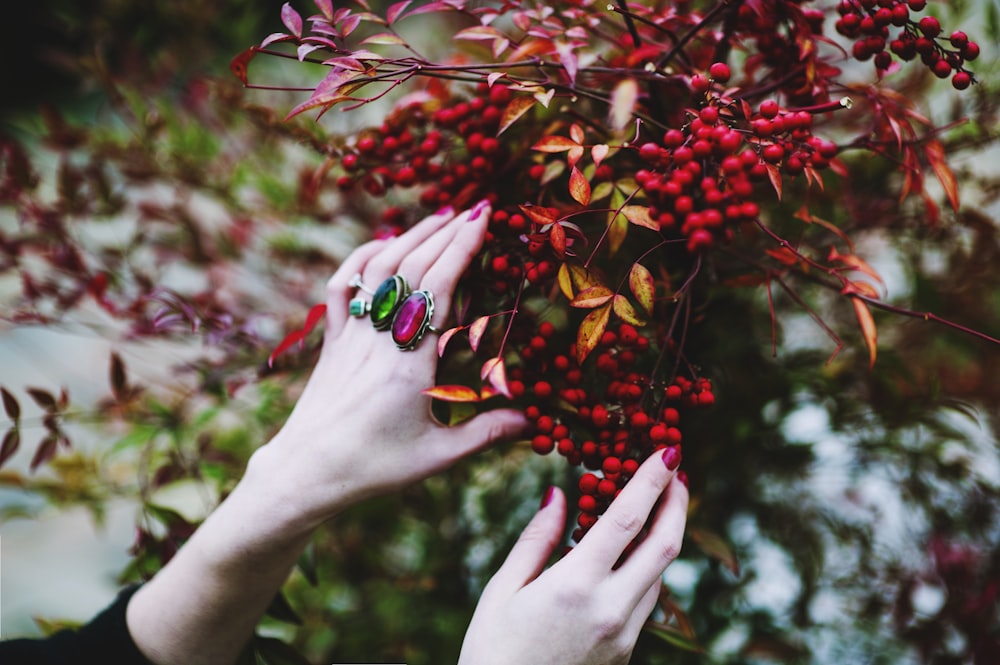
637,157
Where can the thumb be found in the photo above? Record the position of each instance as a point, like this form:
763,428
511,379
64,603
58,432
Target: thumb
533,549
485,429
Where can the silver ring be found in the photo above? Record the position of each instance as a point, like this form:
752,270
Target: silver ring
358,284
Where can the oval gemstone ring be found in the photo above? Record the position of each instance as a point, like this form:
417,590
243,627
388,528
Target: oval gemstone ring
386,300
413,319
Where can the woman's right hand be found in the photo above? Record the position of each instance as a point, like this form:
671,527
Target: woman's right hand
588,608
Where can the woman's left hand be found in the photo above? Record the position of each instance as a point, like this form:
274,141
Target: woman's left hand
362,426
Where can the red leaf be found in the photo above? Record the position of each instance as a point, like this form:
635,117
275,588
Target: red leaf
579,187
452,393
43,398
46,451
936,157
868,329
539,214
10,405
476,331
291,19
325,6
314,316
774,173
515,109
568,59
11,442
291,339
241,62
557,239
445,337
590,331
276,37
395,12
495,373
555,144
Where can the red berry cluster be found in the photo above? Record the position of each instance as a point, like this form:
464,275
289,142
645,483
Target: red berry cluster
607,420
700,177
869,22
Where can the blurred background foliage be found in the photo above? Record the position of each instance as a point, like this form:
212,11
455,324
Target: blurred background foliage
840,514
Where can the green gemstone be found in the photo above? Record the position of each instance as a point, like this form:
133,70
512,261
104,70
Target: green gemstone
387,297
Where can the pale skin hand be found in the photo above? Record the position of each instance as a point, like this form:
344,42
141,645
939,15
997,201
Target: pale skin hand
586,609
361,428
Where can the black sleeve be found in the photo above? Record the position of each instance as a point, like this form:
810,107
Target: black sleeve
105,639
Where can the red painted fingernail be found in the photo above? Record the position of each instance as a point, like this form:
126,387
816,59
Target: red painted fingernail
446,211
547,497
683,477
478,209
672,457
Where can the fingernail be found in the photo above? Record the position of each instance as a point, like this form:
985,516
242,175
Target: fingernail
672,457
547,497
478,209
446,211
683,477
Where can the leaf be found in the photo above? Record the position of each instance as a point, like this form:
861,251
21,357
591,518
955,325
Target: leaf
445,337
495,373
282,610
291,339
593,296
860,287
855,263
516,108
452,393
240,63
626,312
11,442
639,215
557,239
43,398
936,156
579,186
117,376
599,152
640,280
623,100
774,173
386,38
617,223
315,315
291,19
10,405
868,329
555,144
545,98
276,37
476,331
567,58
395,11
46,451
716,547
272,651
479,33
590,331
672,635
325,6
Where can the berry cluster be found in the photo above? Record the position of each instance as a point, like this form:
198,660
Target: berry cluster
607,420
869,22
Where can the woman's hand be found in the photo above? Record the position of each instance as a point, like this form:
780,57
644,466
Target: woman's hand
589,607
362,426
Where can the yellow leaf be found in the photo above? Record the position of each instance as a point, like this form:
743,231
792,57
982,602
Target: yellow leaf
565,281
579,187
640,280
639,215
591,330
593,296
626,312
515,109
452,393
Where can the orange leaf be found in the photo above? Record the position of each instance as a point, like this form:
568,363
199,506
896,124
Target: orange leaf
716,547
555,144
867,328
783,255
774,173
626,312
579,187
591,297
935,155
539,214
515,109
476,331
241,63
557,239
495,373
590,331
452,393
639,215
854,263
860,287
640,280
574,155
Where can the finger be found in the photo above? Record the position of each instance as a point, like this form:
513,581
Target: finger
643,608
442,276
387,262
479,432
662,544
338,289
620,524
533,549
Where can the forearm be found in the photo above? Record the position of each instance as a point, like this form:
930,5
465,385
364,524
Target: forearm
203,606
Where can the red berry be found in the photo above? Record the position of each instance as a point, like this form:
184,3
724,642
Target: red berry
542,444
970,51
719,71
588,483
769,108
961,80
930,26
700,83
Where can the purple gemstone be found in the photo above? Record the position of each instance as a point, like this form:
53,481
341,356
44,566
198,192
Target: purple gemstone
411,319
